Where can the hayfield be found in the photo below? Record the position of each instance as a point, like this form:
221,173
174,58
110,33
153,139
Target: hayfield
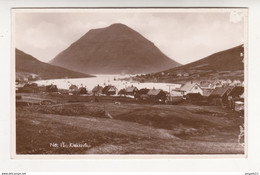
127,128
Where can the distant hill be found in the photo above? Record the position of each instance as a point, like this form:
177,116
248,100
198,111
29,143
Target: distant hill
25,63
113,50
227,60
227,64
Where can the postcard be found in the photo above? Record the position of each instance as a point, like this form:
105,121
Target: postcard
129,82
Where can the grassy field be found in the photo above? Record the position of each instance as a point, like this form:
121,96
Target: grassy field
126,128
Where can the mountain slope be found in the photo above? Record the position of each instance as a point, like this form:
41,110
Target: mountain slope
227,64
25,63
230,59
114,49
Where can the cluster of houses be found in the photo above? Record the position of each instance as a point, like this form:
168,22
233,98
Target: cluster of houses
221,93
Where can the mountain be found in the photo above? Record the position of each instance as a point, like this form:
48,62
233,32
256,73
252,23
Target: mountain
113,50
227,64
227,60
25,63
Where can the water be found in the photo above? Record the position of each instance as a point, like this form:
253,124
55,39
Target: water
104,80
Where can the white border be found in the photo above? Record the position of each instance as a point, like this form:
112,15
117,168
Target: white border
122,156
251,164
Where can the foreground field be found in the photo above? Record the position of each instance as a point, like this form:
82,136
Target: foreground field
127,128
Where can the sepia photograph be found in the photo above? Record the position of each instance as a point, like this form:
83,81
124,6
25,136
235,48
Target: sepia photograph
130,81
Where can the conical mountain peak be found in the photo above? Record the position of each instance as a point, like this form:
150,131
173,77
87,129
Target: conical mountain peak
111,50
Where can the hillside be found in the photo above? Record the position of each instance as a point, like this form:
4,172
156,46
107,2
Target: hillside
25,63
227,64
116,49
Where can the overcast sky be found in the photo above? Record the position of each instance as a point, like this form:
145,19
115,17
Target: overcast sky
184,37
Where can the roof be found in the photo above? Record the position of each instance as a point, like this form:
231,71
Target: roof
188,86
97,88
205,83
207,92
194,95
73,86
154,92
108,88
51,86
220,91
130,89
143,91
236,91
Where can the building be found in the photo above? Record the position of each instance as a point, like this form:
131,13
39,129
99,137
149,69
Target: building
217,83
73,88
97,90
51,88
219,96
206,85
234,96
176,93
207,92
191,87
236,83
131,90
194,97
83,90
109,90
156,95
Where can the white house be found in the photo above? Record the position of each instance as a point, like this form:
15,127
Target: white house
191,87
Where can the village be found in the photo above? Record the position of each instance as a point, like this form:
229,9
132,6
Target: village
225,93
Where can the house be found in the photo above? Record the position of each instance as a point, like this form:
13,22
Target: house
236,92
51,88
219,96
143,91
235,95
97,90
226,82
179,74
194,97
236,83
191,87
122,92
28,88
207,92
156,95
206,85
142,94
83,90
176,93
131,90
73,88
109,90
217,83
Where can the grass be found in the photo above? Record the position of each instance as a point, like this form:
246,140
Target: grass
133,129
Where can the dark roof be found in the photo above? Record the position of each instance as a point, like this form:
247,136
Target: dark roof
207,92
205,83
130,89
97,88
143,91
83,90
236,91
107,88
220,91
73,87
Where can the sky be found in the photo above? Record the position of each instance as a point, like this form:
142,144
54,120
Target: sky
183,36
